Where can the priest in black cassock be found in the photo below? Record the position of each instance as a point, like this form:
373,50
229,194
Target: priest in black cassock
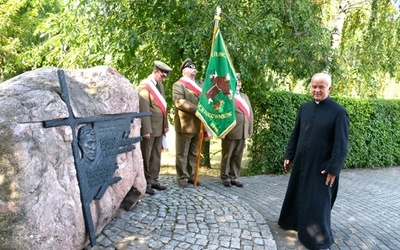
317,148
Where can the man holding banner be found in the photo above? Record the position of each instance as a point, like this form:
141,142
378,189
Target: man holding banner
185,94
234,142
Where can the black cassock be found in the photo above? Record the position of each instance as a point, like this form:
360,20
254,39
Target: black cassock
318,142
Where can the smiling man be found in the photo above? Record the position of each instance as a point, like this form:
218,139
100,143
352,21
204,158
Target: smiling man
317,148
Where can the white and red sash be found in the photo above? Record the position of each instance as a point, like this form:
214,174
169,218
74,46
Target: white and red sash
192,85
158,98
242,105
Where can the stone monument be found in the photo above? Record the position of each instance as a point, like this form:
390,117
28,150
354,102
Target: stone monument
46,141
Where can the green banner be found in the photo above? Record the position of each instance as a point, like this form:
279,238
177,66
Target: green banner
216,108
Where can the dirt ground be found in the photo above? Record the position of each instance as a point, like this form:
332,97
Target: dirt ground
168,157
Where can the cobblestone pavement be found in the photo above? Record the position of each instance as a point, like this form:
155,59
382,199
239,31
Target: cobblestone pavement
187,218
366,214
212,216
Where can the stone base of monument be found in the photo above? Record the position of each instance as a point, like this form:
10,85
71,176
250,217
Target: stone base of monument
131,199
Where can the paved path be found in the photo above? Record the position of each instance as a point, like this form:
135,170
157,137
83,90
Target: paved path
212,216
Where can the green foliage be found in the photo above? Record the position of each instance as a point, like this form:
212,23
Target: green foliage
262,39
374,133
275,115
369,50
374,136
274,45
19,20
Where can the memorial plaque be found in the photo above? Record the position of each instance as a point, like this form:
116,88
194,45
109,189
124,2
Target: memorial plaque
96,142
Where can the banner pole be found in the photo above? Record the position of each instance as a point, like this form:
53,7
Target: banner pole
196,172
217,17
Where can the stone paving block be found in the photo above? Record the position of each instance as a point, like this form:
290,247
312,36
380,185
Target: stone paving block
179,237
201,242
211,247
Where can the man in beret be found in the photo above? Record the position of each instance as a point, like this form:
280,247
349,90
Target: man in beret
185,95
152,99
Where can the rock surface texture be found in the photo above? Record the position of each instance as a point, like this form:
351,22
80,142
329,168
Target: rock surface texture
40,204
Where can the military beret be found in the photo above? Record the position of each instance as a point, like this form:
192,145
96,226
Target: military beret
188,63
162,66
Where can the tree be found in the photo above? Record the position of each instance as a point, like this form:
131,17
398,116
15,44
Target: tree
19,21
275,45
366,58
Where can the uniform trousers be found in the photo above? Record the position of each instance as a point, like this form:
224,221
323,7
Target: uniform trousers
205,154
231,161
186,155
151,152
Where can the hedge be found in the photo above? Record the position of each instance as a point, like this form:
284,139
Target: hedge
374,136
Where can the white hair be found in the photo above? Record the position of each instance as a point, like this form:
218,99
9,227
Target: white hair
327,78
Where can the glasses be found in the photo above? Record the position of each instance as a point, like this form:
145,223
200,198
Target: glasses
190,65
163,74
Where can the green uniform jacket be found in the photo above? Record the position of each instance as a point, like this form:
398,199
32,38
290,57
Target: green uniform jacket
243,127
155,123
185,102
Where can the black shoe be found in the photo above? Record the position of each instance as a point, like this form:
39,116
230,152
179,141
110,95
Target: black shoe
150,191
158,186
237,183
192,182
227,183
183,184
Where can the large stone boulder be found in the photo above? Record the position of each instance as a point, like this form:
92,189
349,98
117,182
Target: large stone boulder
40,204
